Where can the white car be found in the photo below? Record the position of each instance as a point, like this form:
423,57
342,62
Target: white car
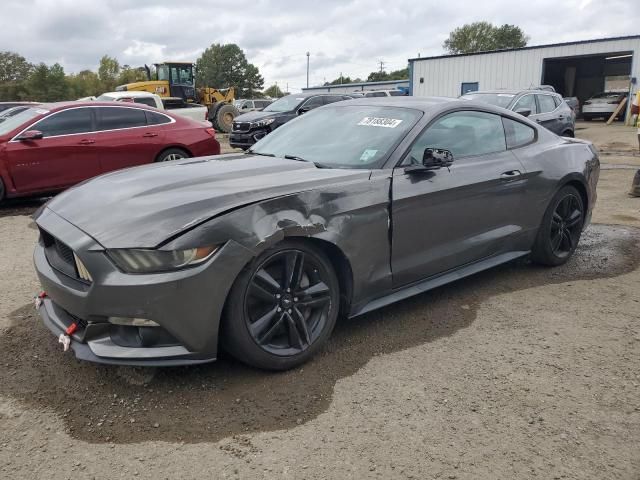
178,106
602,105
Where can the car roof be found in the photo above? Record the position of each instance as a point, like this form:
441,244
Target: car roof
514,91
314,94
127,94
424,104
54,106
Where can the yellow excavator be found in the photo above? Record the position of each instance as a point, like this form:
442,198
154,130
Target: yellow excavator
176,80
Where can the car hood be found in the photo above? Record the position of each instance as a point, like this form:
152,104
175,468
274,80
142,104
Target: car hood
253,116
144,206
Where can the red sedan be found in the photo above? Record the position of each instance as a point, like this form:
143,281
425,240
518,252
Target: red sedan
50,147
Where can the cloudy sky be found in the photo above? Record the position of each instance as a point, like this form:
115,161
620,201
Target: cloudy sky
348,36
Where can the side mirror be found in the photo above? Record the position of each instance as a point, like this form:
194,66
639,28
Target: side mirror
525,112
304,109
30,135
432,159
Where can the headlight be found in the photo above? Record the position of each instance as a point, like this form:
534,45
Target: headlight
263,123
140,260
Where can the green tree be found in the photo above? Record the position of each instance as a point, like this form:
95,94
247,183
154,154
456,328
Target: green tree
131,75
108,73
14,67
47,84
483,36
84,84
274,92
14,72
401,74
222,66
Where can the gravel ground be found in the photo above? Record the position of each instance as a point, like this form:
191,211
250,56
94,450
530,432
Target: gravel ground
519,372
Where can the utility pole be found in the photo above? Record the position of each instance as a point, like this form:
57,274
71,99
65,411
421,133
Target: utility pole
308,69
381,62
340,78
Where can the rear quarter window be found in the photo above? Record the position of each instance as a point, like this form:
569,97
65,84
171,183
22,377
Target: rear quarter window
518,134
154,118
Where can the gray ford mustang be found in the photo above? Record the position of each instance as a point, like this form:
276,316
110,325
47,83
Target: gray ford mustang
346,209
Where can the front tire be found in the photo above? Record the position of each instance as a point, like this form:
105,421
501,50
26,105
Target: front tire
282,307
559,234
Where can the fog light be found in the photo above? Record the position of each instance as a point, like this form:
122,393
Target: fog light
133,322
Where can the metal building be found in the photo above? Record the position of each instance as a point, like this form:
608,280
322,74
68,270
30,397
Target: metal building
575,69
359,87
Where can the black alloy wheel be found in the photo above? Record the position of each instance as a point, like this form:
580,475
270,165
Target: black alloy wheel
282,308
561,228
566,226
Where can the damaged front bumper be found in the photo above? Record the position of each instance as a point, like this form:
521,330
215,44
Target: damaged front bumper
185,304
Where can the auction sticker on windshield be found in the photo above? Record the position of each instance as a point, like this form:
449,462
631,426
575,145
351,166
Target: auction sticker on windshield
380,122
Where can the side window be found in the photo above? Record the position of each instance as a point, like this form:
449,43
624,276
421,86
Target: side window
313,102
111,118
154,118
557,100
528,102
67,122
332,99
546,103
145,101
376,94
464,133
518,134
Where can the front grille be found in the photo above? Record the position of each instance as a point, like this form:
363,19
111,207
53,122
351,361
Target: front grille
241,126
62,258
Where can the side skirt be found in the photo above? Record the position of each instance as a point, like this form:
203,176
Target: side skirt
439,280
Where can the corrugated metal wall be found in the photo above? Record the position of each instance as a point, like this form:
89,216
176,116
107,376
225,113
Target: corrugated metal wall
510,69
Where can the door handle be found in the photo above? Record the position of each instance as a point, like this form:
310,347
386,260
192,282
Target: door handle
511,174
150,134
87,141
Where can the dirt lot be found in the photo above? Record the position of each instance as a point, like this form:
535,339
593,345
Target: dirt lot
519,372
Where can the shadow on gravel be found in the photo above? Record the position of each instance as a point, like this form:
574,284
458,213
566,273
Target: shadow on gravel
20,206
207,403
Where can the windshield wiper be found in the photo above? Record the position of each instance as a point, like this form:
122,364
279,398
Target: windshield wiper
251,152
300,159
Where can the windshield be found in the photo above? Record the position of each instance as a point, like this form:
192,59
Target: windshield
285,104
11,123
182,74
498,99
341,136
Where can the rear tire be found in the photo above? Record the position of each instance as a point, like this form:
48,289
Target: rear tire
172,154
282,307
561,227
586,118
568,133
221,116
